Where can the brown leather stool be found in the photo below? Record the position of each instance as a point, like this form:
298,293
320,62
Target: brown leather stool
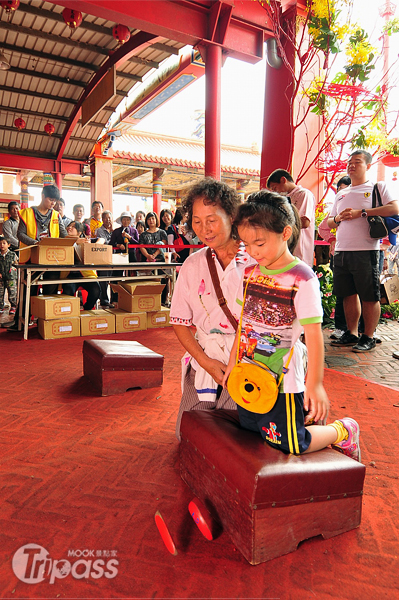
114,366
267,501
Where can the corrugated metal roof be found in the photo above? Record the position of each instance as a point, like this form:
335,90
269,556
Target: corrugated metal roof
50,68
166,150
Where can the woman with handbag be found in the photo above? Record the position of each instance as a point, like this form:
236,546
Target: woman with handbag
211,207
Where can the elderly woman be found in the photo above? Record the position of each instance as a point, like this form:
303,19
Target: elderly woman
211,207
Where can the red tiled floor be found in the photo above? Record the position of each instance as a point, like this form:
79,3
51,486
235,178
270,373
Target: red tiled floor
80,471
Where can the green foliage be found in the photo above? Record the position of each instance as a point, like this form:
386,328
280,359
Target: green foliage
390,311
325,277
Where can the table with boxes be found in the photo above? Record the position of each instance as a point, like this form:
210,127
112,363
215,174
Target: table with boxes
139,305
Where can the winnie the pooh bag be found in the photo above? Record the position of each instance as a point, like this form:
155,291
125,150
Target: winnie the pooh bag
253,385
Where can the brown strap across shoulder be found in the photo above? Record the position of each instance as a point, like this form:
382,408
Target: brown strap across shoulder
218,289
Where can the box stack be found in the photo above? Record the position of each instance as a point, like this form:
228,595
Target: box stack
139,306
58,316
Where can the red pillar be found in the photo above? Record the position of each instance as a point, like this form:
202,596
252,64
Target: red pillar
157,190
213,72
278,139
58,177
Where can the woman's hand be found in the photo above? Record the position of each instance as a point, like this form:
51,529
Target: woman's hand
151,258
121,246
215,368
175,256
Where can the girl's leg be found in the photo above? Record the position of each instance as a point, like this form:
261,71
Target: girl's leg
343,435
322,436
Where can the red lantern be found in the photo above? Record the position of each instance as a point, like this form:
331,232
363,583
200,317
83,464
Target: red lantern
9,6
49,128
390,161
121,33
73,18
19,123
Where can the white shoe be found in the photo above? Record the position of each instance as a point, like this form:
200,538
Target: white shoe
336,334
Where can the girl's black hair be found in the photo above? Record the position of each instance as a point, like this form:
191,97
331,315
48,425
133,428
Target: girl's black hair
141,223
270,211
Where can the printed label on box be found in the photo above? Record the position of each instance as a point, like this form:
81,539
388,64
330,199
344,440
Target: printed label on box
58,329
93,325
133,322
65,309
160,320
146,303
55,254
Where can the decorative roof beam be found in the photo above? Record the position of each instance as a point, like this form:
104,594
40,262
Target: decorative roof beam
39,161
126,177
136,43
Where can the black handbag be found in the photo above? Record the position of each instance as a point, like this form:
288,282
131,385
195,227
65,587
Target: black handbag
377,226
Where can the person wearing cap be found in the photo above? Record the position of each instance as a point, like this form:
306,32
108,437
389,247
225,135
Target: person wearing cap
125,235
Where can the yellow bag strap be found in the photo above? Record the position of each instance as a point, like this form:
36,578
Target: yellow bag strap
285,368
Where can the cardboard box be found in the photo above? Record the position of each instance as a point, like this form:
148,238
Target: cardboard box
55,307
161,318
139,297
53,251
120,259
94,254
59,328
126,321
97,322
389,289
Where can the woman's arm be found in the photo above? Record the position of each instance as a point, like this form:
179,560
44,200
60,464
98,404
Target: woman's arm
214,367
232,360
315,399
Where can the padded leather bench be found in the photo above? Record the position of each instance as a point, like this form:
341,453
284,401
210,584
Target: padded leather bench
267,501
114,366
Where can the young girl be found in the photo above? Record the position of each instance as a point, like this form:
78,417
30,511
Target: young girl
281,298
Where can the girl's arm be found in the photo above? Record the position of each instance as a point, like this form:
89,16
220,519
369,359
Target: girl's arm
232,361
315,399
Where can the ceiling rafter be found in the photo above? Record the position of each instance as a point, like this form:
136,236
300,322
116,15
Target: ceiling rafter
68,61
48,76
22,92
48,56
89,26
51,37
44,134
48,116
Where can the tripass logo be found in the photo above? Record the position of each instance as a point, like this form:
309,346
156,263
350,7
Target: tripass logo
32,564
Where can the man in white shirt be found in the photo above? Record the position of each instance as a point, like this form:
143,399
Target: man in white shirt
281,181
356,257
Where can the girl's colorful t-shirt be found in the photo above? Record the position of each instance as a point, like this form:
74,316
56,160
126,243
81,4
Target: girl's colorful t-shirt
277,305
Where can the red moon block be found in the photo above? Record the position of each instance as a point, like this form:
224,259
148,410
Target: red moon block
202,518
165,535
